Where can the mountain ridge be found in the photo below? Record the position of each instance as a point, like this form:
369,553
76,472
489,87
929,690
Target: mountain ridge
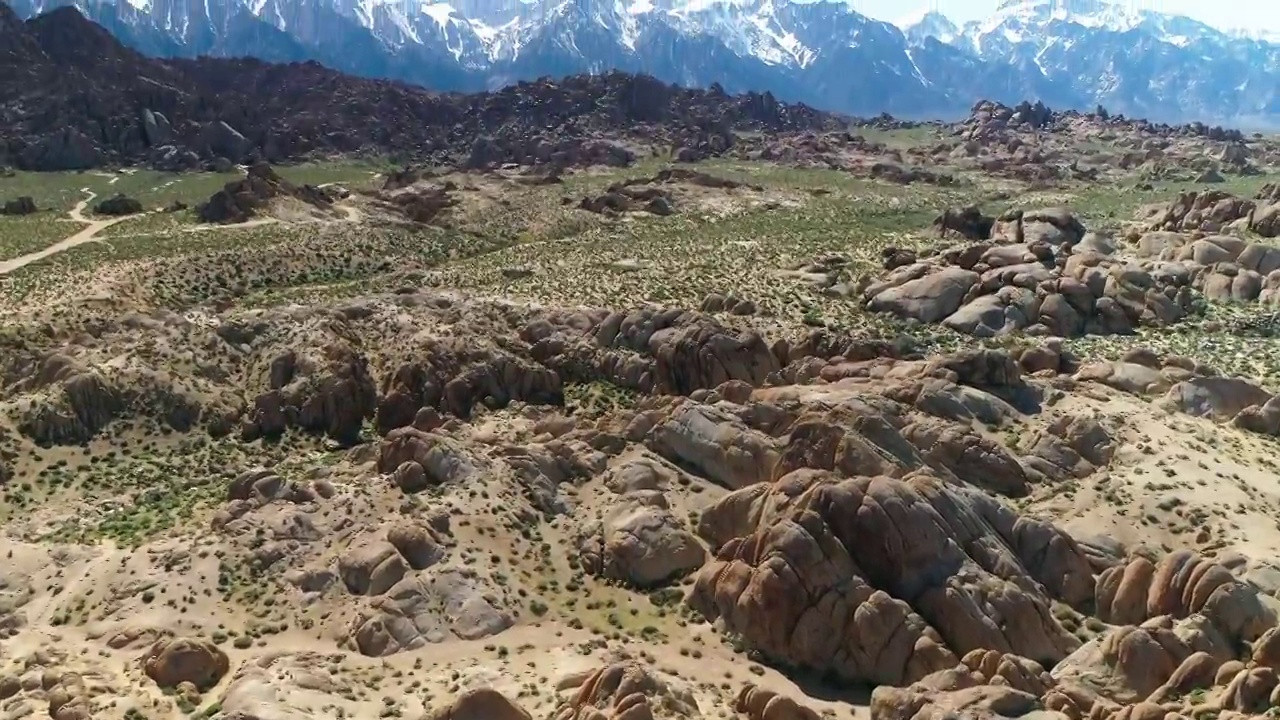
1077,54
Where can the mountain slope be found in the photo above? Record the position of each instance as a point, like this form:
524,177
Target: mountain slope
1067,53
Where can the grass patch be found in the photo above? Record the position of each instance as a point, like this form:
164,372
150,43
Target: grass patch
22,235
60,191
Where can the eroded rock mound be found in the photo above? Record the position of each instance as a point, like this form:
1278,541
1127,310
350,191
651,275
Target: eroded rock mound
418,459
620,199
985,685
68,402
627,690
420,203
1190,639
1039,272
455,375
331,393
24,205
967,222
480,704
760,704
432,606
1182,584
241,200
118,205
1210,211
866,578
174,661
639,540
1190,387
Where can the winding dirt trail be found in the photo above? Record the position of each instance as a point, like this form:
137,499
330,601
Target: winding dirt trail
86,234
89,233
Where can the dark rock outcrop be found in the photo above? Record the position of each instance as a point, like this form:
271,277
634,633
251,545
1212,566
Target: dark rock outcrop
240,200
118,205
24,205
76,98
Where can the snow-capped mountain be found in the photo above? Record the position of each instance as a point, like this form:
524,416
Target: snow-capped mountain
1068,53
1140,62
928,24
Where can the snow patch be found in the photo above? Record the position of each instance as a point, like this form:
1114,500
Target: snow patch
442,13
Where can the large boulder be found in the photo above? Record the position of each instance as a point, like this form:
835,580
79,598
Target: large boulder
118,205
173,661
758,703
218,139
987,685
20,206
716,444
1221,398
640,542
372,569
928,299
480,704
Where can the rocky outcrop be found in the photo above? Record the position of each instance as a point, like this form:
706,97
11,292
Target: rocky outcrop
372,569
118,205
985,685
1225,268
1070,448
1190,387
1180,585
716,444
626,690
417,460
431,606
1189,639
1037,271
480,704
455,376
78,402
241,200
24,205
622,199
174,661
757,703
419,203
331,393
639,540
866,578
929,298
968,222
1215,211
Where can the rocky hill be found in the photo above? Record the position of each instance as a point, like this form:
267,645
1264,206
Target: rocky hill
74,97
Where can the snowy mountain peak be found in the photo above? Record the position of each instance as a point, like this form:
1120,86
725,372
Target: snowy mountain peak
1089,13
928,24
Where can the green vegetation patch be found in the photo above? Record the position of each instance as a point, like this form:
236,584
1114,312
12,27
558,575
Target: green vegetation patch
25,234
